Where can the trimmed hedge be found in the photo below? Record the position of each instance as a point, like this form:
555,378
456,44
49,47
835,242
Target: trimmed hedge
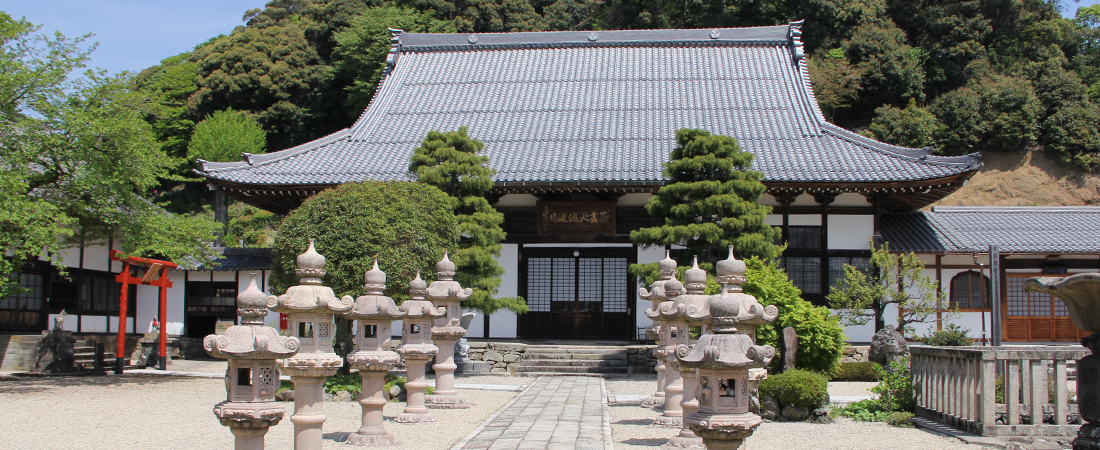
797,387
951,336
857,371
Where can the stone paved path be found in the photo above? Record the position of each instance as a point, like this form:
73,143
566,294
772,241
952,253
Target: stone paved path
552,413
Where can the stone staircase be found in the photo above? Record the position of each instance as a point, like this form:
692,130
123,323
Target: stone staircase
592,360
84,356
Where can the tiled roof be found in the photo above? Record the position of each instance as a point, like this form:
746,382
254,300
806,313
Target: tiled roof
1012,229
598,107
241,259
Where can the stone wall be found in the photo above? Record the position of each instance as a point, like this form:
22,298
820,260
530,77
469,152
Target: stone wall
856,354
640,358
505,357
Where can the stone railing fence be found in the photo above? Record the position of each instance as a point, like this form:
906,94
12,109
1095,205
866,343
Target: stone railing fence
957,386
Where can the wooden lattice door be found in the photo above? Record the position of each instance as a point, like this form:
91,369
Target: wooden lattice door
1034,316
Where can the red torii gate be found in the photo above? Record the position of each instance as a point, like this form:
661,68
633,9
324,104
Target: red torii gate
148,279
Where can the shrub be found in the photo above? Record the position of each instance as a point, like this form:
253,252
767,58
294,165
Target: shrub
352,383
951,336
797,387
895,391
872,410
857,371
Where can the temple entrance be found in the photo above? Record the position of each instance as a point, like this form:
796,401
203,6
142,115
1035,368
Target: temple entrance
577,293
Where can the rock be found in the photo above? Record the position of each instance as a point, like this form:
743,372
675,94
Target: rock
888,345
795,413
511,357
479,345
343,396
285,396
394,392
328,397
820,415
790,347
493,355
769,408
498,370
510,347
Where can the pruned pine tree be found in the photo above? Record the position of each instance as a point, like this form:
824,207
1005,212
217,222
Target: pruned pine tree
710,201
452,162
895,279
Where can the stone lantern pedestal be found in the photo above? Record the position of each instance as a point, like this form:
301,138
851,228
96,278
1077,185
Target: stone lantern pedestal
691,309
674,331
417,349
656,294
1081,293
374,314
250,377
310,307
446,332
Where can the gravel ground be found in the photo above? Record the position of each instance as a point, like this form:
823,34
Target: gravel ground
141,412
632,426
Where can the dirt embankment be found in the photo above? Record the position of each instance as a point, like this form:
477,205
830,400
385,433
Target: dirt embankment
1028,178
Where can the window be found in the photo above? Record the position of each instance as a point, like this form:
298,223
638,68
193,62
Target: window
804,272
970,290
804,237
837,263
32,296
100,293
64,293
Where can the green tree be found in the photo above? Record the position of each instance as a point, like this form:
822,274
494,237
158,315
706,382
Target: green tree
913,126
895,279
362,47
452,162
892,70
710,200
1073,133
224,135
78,155
250,226
406,226
835,81
483,15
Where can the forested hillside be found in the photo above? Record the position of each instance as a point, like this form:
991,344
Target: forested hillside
962,76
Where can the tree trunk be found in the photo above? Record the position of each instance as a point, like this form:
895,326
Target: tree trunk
880,320
221,215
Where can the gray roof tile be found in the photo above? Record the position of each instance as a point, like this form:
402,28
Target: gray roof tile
555,107
1012,229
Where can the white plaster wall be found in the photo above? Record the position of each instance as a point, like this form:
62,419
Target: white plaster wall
775,220
850,199
812,220
68,257
517,200
973,321
148,304
129,325
116,266
645,256
850,232
96,257
502,324
94,324
477,326
199,275
805,200
222,275
768,199
860,333
634,199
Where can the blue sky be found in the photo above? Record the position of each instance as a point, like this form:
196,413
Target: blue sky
135,34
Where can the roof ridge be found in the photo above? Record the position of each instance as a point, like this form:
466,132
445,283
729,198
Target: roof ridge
1034,209
439,41
923,155
268,158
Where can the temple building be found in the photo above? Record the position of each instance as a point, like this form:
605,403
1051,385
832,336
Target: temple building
578,126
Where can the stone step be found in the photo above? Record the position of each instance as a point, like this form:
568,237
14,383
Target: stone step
574,362
569,369
567,356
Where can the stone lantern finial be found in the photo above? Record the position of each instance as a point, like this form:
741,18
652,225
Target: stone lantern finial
695,279
311,266
731,273
375,280
667,267
250,378
445,269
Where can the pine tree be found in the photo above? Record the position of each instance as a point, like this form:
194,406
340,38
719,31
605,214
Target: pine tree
451,162
710,201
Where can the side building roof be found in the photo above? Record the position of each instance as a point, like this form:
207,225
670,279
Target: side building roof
591,109
1038,229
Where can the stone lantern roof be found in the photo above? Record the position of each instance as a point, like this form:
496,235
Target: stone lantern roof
252,339
417,306
725,349
310,296
374,305
691,307
666,268
445,288
731,273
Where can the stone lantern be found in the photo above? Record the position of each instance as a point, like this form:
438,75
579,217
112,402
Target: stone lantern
373,358
309,307
731,275
250,379
724,359
692,309
417,349
679,313
1081,293
656,294
445,292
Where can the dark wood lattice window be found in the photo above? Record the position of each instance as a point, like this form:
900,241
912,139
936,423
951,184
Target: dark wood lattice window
32,296
970,290
837,263
804,237
804,272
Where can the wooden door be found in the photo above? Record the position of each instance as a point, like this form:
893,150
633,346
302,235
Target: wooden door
1033,316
